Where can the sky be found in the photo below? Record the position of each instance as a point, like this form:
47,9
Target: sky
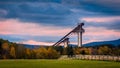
44,22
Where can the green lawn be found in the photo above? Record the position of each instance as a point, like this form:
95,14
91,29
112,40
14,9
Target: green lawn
57,64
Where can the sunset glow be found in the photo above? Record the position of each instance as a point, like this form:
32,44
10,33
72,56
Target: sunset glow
42,22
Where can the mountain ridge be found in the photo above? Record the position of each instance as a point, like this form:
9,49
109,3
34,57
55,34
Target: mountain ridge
91,44
112,42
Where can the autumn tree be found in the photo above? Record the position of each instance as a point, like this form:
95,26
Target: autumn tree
28,53
33,54
52,53
64,51
20,51
104,50
89,51
76,50
41,53
115,51
5,50
12,52
59,49
0,50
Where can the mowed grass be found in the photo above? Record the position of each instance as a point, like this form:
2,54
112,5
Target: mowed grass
57,64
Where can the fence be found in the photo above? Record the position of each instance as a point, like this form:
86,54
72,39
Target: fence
93,57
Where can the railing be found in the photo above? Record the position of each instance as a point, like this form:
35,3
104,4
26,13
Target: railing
93,57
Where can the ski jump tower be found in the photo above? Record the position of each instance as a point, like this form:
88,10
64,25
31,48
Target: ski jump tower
77,30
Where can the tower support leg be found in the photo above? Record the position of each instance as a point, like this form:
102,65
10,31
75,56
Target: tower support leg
65,44
79,39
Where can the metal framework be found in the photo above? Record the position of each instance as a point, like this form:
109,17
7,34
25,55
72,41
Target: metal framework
78,30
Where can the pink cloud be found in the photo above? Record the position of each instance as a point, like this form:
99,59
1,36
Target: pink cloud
101,31
101,19
100,34
12,26
37,43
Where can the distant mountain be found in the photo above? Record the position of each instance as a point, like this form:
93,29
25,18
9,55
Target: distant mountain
30,46
114,43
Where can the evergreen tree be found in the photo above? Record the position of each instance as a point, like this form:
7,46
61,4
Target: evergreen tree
70,52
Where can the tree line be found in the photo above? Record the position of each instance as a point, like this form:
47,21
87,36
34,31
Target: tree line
105,49
10,50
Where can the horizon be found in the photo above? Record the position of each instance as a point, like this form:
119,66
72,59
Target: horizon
62,44
46,21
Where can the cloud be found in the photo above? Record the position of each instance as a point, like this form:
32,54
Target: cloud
38,12
3,12
48,20
55,12
101,19
107,7
110,23
22,38
11,26
14,1
109,3
100,31
93,34
32,33
37,43
17,31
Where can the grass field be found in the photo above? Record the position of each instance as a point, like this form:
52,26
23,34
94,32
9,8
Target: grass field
57,64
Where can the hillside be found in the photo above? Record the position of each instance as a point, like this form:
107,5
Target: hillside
113,42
